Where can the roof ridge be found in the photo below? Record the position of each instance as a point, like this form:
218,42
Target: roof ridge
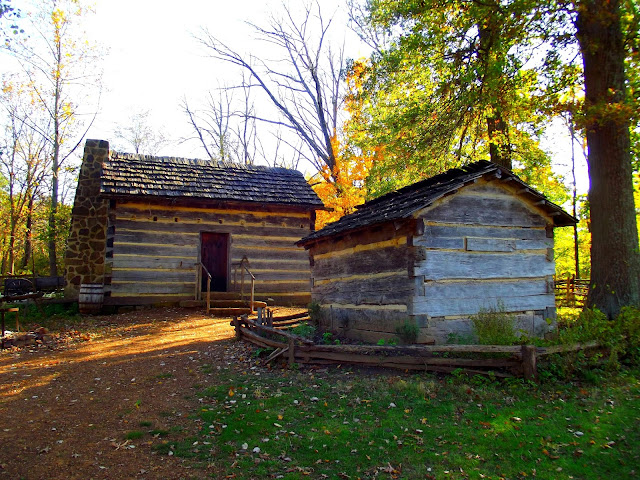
447,175
402,204
141,157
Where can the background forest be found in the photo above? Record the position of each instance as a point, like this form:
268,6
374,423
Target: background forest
447,82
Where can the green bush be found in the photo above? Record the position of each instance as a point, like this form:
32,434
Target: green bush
494,326
408,332
627,326
314,312
589,326
304,330
620,339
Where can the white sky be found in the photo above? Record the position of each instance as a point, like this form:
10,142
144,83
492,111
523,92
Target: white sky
154,59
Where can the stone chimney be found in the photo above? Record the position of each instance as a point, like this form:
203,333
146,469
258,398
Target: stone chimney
86,246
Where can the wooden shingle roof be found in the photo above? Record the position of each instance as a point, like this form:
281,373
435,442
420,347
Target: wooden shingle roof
125,174
405,202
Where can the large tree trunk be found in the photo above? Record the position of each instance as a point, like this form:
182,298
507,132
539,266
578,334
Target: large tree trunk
490,56
615,260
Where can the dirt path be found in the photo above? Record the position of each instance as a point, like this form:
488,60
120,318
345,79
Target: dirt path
66,413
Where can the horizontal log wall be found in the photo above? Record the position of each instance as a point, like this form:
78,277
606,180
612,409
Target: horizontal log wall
156,249
362,284
482,247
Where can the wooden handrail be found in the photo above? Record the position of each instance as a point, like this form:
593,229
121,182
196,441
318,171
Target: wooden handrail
202,267
244,267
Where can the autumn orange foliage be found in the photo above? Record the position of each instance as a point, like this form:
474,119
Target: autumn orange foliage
342,188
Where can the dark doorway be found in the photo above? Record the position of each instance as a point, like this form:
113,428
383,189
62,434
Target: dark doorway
214,255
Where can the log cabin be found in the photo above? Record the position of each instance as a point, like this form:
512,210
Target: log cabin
435,253
142,226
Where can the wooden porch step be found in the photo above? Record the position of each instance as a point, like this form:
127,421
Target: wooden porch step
224,295
294,321
290,317
193,303
235,303
229,312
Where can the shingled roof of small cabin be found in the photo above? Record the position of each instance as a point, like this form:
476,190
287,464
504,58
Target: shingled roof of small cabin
403,203
144,175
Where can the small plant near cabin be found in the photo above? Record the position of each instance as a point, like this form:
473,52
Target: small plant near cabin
262,351
460,339
390,342
408,332
327,338
494,326
305,330
314,311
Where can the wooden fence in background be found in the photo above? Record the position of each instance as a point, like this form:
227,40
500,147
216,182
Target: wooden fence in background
571,291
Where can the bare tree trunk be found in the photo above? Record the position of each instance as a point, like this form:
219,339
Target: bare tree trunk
28,236
53,258
55,168
615,260
574,201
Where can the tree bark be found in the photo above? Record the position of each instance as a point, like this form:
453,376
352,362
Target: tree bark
490,55
28,236
615,260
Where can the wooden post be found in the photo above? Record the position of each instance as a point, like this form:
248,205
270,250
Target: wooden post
241,282
208,293
198,281
292,358
252,292
529,366
236,325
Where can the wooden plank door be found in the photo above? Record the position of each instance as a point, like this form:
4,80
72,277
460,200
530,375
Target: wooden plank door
214,255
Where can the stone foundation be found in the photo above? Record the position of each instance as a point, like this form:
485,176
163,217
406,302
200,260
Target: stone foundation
86,246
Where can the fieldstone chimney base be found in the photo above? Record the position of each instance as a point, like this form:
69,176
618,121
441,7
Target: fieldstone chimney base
86,246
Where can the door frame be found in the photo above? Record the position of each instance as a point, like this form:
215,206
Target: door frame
199,279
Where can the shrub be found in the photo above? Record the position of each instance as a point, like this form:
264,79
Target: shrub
590,325
408,332
304,330
494,326
627,326
314,311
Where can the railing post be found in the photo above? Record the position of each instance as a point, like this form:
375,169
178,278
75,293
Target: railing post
208,293
253,281
241,283
198,280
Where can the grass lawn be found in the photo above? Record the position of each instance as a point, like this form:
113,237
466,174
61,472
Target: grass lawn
343,424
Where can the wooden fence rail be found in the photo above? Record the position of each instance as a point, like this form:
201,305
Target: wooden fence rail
521,359
571,292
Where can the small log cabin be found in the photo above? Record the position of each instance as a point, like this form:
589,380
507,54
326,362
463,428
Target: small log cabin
435,253
142,225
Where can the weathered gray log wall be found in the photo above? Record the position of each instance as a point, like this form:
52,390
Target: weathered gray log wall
153,250
361,282
482,247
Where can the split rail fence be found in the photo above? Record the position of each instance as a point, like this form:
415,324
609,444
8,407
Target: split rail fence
520,360
571,291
